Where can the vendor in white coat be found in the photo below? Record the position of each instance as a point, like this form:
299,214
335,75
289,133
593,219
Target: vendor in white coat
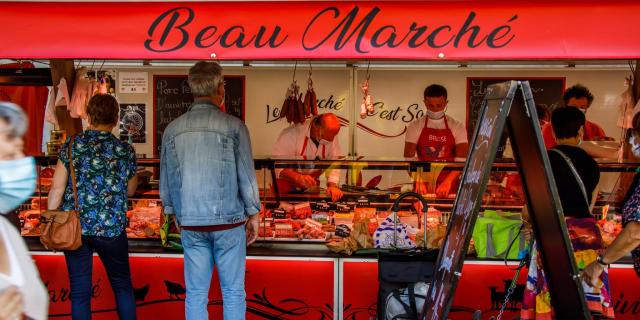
314,139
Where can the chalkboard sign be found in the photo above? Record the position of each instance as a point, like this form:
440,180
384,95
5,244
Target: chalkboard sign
546,91
476,172
496,110
172,98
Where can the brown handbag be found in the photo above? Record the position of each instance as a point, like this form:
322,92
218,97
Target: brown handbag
61,230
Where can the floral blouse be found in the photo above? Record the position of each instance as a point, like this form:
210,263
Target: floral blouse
631,212
103,166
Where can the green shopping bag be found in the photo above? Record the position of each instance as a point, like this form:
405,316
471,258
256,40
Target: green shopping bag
169,233
493,233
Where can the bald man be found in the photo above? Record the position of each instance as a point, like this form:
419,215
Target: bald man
314,139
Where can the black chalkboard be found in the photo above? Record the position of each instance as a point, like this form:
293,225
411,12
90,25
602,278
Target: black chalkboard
172,98
496,110
546,91
482,151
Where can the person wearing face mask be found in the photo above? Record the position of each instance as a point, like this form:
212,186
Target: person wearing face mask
580,97
21,290
434,137
314,139
629,238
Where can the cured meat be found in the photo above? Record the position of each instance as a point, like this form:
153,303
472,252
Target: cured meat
367,101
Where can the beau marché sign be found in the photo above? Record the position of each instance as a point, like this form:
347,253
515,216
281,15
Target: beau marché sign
398,30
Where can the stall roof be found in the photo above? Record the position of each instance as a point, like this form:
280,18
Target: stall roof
448,31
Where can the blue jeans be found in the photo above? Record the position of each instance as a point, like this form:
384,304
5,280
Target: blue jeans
227,249
113,253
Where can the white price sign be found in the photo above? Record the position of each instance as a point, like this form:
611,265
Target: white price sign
133,82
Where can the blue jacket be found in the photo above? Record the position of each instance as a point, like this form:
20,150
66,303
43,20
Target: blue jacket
207,175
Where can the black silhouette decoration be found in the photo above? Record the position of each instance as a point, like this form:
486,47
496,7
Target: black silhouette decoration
517,296
175,290
497,297
140,293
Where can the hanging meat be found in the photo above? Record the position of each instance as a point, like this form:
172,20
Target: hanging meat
293,107
310,101
367,102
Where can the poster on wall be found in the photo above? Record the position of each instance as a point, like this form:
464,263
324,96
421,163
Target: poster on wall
547,94
132,124
172,98
133,82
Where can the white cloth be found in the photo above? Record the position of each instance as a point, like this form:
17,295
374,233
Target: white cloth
457,129
62,98
50,109
291,141
24,274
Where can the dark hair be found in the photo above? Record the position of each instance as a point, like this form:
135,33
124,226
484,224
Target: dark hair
635,124
434,91
577,91
542,111
103,109
567,121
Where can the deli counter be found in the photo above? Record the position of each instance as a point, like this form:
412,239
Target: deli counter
297,228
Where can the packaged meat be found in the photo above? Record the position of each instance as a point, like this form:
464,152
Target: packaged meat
144,220
30,221
301,210
39,203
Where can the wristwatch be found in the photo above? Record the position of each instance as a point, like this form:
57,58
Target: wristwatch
600,261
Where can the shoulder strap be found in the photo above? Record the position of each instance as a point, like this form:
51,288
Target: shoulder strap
73,173
575,174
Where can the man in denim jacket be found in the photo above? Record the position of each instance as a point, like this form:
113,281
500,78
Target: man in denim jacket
207,180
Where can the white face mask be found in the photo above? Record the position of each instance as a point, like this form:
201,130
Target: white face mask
17,182
435,115
635,145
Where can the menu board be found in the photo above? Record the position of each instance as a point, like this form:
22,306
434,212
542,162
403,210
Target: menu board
482,151
172,98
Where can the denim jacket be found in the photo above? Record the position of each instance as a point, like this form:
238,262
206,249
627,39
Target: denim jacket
207,175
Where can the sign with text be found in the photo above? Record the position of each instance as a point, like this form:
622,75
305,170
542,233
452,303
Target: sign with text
172,98
565,287
133,82
411,30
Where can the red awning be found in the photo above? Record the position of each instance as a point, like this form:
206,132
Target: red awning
403,30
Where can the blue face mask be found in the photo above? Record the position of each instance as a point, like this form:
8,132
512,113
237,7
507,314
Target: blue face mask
17,182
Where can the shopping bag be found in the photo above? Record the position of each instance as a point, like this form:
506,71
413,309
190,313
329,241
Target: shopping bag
495,231
169,233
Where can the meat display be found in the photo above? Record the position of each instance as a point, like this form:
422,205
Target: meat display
144,220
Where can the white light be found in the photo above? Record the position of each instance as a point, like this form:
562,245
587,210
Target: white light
441,55
214,55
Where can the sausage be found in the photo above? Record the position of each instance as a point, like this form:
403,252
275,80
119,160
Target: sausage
307,103
314,103
300,105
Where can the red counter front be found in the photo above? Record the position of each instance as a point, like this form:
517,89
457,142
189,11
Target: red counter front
302,288
296,288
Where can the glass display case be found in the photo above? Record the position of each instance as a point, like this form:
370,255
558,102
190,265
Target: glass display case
292,215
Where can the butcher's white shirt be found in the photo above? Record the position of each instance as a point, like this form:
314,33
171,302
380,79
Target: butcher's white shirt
291,141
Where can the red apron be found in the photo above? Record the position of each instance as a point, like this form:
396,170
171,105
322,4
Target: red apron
285,186
434,145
